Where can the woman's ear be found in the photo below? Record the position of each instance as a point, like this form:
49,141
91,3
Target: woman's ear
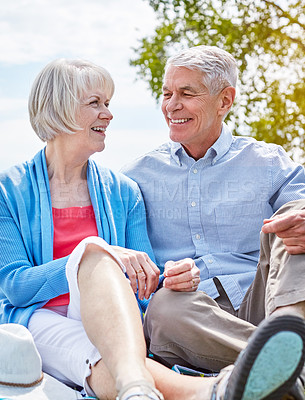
227,97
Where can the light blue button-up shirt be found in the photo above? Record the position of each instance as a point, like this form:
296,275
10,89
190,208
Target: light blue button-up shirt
212,210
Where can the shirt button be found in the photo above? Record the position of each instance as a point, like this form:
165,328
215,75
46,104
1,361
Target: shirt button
197,236
210,261
193,203
195,171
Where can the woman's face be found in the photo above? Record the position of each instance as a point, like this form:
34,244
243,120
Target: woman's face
93,118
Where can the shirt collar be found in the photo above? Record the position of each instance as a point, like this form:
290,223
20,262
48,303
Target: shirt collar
220,147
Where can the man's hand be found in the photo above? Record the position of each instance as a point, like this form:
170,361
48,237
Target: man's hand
182,275
142,272
290,227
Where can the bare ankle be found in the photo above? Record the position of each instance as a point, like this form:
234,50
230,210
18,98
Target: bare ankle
131,375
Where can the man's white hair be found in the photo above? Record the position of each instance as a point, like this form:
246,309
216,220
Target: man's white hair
218,67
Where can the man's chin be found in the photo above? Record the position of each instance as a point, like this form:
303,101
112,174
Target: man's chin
174,137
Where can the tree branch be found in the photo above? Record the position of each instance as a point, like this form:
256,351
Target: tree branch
285,14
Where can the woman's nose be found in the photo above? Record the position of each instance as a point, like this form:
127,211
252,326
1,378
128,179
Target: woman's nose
106,114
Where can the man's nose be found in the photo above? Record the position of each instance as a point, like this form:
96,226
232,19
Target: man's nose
174,103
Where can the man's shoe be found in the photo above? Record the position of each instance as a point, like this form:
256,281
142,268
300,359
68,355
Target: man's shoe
269,365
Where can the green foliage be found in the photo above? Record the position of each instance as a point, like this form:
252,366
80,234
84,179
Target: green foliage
268,40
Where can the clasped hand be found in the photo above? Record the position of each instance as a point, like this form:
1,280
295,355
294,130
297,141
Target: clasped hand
182,275
142,272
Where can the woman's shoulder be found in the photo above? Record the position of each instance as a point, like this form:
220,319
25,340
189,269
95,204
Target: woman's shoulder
19,172
17,180
14,174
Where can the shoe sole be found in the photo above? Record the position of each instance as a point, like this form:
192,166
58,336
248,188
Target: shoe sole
271,362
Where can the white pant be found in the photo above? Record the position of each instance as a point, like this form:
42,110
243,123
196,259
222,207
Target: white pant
66,352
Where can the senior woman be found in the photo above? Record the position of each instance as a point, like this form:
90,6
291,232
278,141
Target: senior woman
69,230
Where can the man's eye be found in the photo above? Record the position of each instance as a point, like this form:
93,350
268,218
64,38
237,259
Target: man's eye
166,95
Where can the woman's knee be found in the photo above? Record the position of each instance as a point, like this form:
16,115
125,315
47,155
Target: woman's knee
93,258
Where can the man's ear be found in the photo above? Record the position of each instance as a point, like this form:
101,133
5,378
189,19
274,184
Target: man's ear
227,97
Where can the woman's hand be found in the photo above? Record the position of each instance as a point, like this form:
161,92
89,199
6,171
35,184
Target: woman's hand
142,272
182,275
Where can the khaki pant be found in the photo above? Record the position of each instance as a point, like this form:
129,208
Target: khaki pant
194,330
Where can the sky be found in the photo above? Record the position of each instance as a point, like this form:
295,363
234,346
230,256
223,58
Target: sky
35,32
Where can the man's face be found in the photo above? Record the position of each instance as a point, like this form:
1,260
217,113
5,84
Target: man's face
190,111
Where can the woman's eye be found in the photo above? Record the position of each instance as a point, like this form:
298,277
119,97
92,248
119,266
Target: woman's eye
94,102
107,104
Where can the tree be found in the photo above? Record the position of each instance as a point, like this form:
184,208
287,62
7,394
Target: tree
267,38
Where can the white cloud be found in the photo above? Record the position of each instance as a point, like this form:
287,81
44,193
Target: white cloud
33,30
103,31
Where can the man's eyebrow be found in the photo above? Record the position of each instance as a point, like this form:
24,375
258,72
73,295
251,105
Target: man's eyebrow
188,88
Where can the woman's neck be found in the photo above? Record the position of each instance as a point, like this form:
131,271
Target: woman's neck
67,177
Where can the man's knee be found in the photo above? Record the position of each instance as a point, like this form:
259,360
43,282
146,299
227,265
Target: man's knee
163,305
169,309
293,205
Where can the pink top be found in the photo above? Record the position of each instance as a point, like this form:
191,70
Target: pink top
71,226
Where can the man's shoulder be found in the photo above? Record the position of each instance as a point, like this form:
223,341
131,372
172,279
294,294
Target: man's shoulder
149,160
253,145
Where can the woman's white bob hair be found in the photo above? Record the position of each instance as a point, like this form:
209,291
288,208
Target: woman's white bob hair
57,92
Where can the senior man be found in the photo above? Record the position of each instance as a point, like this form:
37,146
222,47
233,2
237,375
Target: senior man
208,195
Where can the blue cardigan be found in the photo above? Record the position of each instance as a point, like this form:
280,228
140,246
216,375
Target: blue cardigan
28,275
